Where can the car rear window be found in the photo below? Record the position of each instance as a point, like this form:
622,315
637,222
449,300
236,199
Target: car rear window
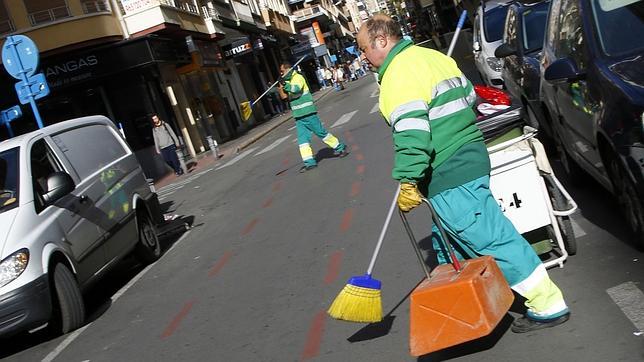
620,25
493,23
90,148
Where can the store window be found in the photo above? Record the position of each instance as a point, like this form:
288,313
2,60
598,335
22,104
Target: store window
46,11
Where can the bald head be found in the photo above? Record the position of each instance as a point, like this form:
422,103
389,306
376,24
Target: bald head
377,37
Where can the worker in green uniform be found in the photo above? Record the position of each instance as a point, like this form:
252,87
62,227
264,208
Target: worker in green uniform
293,86
440,154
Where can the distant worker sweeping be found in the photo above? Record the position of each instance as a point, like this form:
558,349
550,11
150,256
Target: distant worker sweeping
307,122
440,154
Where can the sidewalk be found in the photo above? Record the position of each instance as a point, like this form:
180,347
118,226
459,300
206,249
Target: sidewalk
233,147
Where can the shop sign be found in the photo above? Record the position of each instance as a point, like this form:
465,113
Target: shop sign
301,48
237,48
132,6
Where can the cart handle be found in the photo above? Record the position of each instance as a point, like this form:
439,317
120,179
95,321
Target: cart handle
509,143
573,205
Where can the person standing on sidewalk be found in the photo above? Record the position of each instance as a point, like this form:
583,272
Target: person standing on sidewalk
440,154
294,88
166,143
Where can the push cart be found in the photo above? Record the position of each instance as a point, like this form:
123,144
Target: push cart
525,186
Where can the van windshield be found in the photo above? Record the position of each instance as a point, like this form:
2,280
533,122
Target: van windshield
494,22
534,26
620,25
8,179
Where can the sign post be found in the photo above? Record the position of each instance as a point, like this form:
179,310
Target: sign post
20,59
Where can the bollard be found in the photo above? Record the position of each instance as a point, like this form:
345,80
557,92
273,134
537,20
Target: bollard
182,160
151,184
214,148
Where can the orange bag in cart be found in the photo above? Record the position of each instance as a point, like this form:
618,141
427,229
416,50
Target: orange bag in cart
456,303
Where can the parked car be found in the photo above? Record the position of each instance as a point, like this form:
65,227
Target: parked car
593,94
73,201
525,26
487,34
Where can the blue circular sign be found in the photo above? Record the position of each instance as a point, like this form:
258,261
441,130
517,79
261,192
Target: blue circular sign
20,54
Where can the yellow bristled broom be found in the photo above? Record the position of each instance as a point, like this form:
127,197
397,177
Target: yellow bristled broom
360,300
246,107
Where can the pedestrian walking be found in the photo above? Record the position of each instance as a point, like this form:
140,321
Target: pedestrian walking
339,77
320,75
307,122
440,154
328,77
166,143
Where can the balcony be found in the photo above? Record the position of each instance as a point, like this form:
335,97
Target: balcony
308,13
93,7
49,15
6,26
169,17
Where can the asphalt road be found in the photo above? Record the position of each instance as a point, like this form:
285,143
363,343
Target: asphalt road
271,248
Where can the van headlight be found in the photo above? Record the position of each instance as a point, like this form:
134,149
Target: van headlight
494,63
12,266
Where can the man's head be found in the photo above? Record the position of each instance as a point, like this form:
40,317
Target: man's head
284,67
156,121
377,37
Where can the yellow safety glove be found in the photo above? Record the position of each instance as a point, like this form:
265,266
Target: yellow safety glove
409,196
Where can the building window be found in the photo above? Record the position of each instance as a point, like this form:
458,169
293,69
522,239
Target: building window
95,6
6,25
46,11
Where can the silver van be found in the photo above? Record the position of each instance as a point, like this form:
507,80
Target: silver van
73,202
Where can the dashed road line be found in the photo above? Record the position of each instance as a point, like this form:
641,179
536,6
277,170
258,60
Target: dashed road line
344,119
314,337
375,93
272,145
237,158
630,299
176,321
376,108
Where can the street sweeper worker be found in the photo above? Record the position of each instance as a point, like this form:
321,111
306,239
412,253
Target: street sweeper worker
440,154
306,117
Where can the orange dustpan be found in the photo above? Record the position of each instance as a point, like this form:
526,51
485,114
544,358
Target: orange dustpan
457,302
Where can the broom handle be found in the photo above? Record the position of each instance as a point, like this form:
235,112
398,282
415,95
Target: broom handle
277,81
383,231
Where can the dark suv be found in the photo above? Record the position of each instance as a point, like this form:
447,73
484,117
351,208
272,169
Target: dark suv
593,95
525,26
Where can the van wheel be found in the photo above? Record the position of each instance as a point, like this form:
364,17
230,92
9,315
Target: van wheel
573,172
69,309
630,203
148,249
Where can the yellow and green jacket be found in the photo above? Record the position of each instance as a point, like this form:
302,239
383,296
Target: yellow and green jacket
299,95
428,103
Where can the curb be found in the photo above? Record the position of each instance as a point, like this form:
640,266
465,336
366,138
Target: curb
271,128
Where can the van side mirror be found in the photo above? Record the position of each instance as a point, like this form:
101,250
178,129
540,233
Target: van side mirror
505,50
562,70
59,184
476,46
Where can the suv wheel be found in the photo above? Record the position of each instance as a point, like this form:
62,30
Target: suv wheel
148,249
573,172
629,201
68,306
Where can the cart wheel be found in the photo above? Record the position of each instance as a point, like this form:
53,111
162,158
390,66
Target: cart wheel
565,225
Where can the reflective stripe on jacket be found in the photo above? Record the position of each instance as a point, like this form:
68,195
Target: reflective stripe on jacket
299,95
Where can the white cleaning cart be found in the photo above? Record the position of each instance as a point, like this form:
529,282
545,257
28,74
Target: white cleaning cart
525,186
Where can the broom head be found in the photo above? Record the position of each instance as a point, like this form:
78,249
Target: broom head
359,301
246,110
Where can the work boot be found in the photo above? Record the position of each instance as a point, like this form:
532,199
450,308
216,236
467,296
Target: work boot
307,168
341,154
526,324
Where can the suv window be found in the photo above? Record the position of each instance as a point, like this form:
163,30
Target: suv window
510,36
9,179
43,163
620,25
90,148
553,19
571,34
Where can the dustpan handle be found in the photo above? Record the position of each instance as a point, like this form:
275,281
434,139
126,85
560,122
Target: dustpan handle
453,260
455,263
